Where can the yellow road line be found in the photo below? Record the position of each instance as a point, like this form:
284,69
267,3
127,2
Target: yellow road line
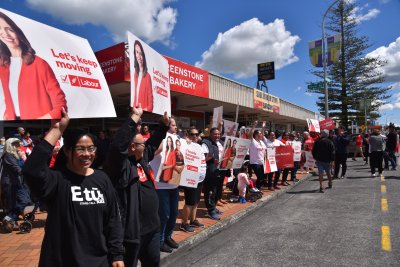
386,245
382,178
384,204
383,188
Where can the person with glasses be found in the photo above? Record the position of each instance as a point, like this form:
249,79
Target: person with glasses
128,167
193,195
83,226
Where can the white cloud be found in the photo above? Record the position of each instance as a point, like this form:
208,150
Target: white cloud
298,89
394,104
358,16
150,20
391,54
308,94
239,49
395,86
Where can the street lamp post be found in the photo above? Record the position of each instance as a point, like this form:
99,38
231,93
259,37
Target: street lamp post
324,63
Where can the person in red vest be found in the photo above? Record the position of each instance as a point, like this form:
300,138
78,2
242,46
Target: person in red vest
26,79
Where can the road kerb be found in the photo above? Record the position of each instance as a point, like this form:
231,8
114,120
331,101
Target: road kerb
193,241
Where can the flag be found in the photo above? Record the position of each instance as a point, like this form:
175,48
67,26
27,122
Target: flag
315,48
334,43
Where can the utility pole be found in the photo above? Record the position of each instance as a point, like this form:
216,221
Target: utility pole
324,63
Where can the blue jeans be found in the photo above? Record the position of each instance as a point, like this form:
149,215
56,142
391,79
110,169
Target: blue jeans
167,211
259,172
19,200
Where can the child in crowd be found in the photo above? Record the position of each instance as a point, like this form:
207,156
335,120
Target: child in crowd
243,182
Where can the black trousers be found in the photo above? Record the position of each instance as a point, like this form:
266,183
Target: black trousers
210,190
148,251
220,187
340,159
376,158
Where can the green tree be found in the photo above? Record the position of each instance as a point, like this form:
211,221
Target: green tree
353,77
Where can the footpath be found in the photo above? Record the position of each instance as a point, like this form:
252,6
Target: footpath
18,249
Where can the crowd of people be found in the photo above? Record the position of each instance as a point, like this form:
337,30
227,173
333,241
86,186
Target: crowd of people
104,205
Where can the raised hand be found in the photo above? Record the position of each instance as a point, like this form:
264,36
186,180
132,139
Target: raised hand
165,119
137,112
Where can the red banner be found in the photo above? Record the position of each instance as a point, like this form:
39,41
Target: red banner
187,79
114,63
327,124
284,157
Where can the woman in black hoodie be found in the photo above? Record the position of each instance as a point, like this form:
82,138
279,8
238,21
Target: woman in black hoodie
83,226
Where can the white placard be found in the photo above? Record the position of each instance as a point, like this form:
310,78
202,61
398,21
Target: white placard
310,161
150,77
180,162
270,163
217,116
191,173
296,145
313,125
235,150
60,71
230,128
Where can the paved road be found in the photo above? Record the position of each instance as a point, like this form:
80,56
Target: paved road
341,227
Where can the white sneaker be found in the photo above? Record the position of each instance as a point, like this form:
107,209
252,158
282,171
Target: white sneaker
374,175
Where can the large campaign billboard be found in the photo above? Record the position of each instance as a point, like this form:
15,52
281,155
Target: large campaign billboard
43,69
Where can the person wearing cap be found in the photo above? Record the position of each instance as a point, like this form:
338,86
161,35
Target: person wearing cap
324,153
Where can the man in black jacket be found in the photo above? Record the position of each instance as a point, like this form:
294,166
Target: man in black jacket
341,143
128,167
324,153
214,147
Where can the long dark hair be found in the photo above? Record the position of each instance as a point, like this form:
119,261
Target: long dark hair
136,63
172,143
28,53
70,138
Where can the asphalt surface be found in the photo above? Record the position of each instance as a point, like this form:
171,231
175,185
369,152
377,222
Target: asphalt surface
341,227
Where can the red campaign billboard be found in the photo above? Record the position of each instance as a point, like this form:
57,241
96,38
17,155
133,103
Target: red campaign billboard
327,124
187,79
114,63
284,157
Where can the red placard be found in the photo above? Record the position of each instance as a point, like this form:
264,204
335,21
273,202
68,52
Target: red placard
327,124
114,63
284,157
187,79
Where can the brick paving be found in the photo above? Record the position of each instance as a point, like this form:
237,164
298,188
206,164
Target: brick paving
18,249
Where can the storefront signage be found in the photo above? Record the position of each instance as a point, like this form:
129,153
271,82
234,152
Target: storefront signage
187,79
266,101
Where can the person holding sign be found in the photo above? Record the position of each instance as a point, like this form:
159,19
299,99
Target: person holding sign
128,167
257,152
83,226
272,142
30,89
192,195
324,153
143,87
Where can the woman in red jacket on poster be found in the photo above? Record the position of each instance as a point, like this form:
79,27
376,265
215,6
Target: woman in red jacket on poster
30,89
143,90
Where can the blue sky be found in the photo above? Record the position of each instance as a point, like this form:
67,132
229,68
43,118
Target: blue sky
229,37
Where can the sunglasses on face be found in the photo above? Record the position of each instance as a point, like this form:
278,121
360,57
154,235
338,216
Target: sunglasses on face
194,134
